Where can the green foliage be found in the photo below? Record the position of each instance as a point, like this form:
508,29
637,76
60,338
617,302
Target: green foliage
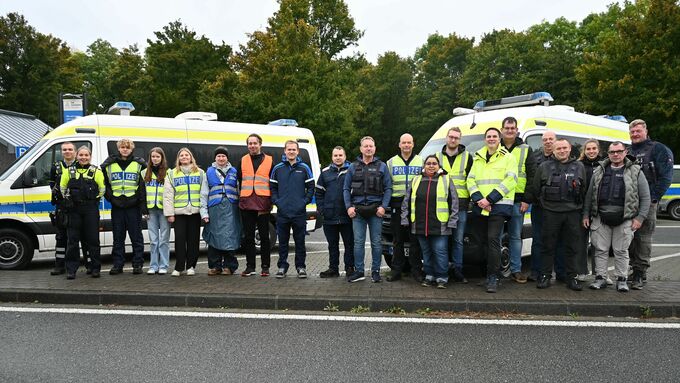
331,307
396,310
359,309
34,69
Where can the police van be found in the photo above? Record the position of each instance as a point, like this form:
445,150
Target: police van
25,226
534,116
670,202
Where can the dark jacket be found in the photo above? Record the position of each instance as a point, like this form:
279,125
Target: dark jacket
329,199
368,199
573,188
292,187
589,166
139,199
426,222
662,159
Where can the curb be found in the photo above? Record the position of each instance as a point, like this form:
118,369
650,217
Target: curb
317,303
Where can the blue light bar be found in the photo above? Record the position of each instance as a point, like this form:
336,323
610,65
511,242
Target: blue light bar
284,122
509,102
616,117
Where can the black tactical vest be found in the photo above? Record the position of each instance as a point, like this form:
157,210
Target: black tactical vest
83,188
643,156
612,189
367,179
563,184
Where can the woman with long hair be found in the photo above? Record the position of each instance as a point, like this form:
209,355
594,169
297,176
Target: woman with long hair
431,206
181,206
159,228
590,157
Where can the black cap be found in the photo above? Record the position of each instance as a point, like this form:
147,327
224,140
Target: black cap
221,150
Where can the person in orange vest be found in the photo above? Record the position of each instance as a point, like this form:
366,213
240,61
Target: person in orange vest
255,203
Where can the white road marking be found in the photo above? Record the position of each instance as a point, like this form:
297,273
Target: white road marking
666,245
654,259
343,318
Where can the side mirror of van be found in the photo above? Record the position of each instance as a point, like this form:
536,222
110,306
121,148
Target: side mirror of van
30,177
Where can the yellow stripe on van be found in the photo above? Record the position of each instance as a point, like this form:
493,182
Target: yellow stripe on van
151,132
239,137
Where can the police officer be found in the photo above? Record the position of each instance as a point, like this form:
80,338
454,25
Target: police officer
68,154
82,186
525,173
656,161
403,168
615,207
126,191
457,162
491,184
560,186
331,207
367,191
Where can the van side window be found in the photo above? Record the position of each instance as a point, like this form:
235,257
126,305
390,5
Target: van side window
43,164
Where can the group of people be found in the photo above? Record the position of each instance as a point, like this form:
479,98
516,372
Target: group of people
575,204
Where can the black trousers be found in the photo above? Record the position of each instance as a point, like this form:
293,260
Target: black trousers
187,240
251,221
492,225
127,220
564,227
401,234
83,226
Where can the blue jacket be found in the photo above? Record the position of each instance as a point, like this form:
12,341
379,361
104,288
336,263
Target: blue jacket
292,187
329,199
368,199
662,159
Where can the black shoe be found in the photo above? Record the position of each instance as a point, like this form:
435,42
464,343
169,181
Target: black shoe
88,271
330,273
137,270
491,283
71,276
58,271
94,273
116,271
349,271
418,276
574,284
458,276
394,276
637,282
543,281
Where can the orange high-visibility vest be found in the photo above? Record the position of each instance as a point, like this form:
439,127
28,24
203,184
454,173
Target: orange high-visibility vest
252,180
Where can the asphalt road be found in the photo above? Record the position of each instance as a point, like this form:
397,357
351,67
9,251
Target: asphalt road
71,347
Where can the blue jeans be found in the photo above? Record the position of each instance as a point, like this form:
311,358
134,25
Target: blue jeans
159,240
515,224
359,225
333,233
458,234
283,226
435,257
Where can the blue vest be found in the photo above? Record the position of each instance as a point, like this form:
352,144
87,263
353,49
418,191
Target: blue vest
219,189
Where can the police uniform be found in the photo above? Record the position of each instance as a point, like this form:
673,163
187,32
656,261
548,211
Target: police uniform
126,191
59,217
561,188
82,187
403,172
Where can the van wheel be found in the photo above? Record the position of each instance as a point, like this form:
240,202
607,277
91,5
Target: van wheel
674,210
272,238
16,249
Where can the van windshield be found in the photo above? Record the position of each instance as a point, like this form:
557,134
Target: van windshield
472,144
20,161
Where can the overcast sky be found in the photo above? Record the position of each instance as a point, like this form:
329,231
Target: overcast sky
389,25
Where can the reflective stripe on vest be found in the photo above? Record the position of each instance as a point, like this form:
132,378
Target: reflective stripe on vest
221,187
402,174
442,207
521,157
255,181
457,171
187,188
124,182
154,191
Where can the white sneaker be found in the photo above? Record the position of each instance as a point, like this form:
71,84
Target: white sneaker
609,281
151,272
162,271
191,271
581,278
175,273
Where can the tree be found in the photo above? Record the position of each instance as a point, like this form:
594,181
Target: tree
177,64
96,69
384,97
34,69
439,66
635,69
